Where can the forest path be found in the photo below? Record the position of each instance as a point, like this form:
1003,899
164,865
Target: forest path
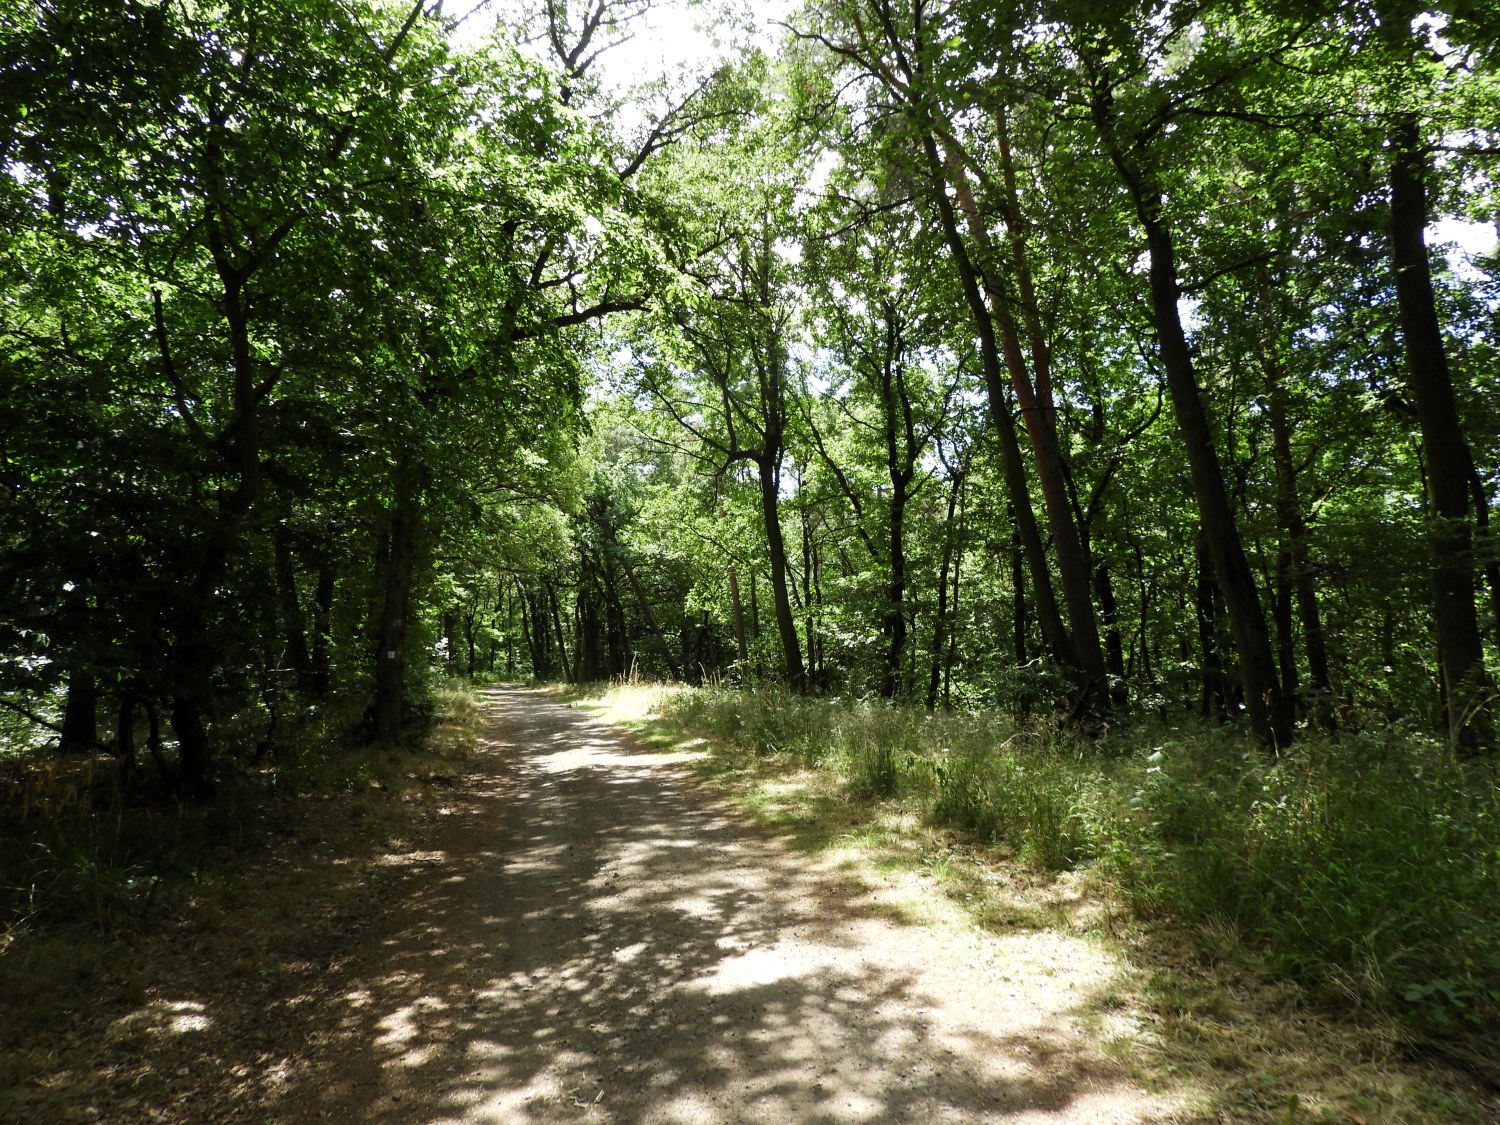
596,938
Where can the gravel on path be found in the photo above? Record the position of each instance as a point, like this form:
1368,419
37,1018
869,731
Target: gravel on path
593,937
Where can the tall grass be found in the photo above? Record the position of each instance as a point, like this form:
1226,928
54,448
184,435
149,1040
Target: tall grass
1367,869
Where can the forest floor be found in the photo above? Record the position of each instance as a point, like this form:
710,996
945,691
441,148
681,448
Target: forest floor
576,924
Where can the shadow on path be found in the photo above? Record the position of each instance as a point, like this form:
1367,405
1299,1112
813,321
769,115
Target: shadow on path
594,939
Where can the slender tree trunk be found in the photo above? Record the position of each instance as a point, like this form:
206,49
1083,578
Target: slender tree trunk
640,594
895,609
1485,542
786,624
322,632
562,643
1034,400
1014,465
1018,601
388,709
1270,710
742,648
292,617
940,622
1294,566
1205,602
80,724
1113,649
958,565
530,635
1444,447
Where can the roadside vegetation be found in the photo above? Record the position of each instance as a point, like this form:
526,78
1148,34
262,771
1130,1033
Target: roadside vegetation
77,850
1349,883
127,917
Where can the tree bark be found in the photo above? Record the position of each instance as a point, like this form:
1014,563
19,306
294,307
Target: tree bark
292,617
786,624
1269,708
388,707
651,620
1294,566
557,626
940,621
80,724
1017,487
1444,447
741,647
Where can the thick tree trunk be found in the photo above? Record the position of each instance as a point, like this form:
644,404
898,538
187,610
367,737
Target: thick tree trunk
1444,447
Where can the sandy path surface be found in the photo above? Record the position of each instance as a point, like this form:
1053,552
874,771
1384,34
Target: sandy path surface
592,937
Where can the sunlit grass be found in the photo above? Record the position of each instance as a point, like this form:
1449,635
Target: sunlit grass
1219,869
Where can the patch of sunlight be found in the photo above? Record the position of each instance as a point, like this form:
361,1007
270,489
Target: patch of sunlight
411,859
626,703
628,953
406,1023
754,968
158,1018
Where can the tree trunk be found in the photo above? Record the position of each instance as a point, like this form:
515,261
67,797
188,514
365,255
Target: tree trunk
940,621
1114,652
1294,567
322,636
1038,412
741,647
786,624
388,708
1018,601
557,626
80,724
1214,699
1270,710
1444,447
656,629
1017,487
292,617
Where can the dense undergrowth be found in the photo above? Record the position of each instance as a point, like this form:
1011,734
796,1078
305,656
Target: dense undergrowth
80,847
1366,868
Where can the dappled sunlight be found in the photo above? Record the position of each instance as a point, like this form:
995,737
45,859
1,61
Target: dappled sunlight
625,949
158,1018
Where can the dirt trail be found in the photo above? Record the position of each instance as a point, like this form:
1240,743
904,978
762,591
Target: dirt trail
591,937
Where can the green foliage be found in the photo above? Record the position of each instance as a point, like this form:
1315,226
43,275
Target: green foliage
1368,869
